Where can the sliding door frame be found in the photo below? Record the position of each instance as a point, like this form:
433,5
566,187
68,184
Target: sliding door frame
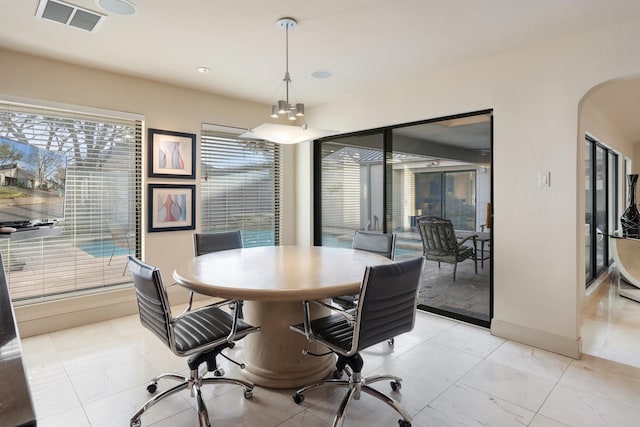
387,133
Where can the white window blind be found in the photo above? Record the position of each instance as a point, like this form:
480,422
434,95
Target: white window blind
240,187
341,189
102,199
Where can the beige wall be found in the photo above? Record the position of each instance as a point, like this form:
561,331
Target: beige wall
162,106
535,94
593,122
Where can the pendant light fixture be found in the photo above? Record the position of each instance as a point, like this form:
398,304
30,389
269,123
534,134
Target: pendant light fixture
282,133
283,106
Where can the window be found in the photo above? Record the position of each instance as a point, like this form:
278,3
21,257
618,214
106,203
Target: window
101,203
601,201
450,195
240,187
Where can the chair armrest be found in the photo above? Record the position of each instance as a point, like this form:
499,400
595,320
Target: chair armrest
473,236
308,332
189,303
345,313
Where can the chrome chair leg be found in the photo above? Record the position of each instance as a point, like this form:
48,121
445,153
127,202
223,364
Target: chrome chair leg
382,377
135,420
248,387
203,414
298,397
389,401
169,376
193,383
338,420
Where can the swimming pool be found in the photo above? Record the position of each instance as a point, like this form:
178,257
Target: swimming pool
102,248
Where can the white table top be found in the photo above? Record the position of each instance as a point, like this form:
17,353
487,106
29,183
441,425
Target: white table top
277,273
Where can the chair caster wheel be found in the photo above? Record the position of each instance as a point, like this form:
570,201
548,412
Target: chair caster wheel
218,372
151,388
337,374
404,423
395,386
391,341
136,423
248,393
231,345
298,398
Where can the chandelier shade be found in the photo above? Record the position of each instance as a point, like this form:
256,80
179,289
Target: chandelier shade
285,134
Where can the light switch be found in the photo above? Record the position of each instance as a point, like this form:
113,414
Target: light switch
544,179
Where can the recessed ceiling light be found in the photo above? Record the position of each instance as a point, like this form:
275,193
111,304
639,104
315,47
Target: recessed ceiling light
117,7
203,70
322,74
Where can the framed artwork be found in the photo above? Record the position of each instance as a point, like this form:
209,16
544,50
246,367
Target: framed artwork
171,154
171,207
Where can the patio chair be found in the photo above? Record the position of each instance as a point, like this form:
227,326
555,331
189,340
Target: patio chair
122,238
439,243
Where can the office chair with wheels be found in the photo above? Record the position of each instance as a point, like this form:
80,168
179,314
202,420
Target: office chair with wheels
378,243
386,308
205,243
201,334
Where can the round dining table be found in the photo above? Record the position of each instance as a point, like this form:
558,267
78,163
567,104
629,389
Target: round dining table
273,281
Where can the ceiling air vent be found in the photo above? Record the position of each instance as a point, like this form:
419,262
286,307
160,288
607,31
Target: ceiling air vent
67,14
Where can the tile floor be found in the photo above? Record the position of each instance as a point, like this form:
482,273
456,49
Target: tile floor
454,374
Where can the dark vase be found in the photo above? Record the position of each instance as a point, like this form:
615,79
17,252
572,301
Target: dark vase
630,219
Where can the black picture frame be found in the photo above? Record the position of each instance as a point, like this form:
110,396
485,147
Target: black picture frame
171,207
171,154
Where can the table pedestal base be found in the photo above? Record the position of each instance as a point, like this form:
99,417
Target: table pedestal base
273,356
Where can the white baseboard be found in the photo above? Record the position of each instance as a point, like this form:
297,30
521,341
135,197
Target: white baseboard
565,346
50,316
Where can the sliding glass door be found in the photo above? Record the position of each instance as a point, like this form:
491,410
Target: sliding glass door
384,180
351,188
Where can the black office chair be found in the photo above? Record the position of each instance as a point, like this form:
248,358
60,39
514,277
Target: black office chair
378,243
386,308
204,243
201,334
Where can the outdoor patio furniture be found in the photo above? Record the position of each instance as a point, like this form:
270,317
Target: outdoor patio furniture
439,243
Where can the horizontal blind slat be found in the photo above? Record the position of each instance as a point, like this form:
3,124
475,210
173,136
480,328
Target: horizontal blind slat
240,188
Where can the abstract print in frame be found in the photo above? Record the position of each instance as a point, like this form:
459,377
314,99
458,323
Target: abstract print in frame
171,207
171,154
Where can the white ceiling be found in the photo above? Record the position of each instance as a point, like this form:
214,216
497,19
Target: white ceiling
364,43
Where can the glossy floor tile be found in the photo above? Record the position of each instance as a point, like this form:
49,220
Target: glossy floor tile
454,374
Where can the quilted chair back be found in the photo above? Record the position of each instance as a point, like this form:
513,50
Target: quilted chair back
438,237
388,301
153,306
